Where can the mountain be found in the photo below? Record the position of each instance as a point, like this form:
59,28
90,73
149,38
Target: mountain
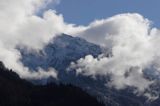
59,53
63,50
18,92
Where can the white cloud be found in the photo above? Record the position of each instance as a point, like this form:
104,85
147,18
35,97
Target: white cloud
133,47
20,26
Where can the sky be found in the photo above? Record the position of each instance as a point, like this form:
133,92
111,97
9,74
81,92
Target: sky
82,12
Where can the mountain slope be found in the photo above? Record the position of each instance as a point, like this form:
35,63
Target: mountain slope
17,92
61,50
59,53
65,49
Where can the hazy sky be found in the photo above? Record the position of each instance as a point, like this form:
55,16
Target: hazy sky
85,11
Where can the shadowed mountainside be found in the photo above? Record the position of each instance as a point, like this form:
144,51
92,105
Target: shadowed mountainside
18,92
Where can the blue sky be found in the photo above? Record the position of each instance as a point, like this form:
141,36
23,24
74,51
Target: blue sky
82,12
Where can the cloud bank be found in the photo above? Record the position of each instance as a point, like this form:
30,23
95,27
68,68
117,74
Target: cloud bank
131,47
21,27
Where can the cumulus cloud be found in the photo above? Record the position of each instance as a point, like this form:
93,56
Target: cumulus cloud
132,44
21,27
